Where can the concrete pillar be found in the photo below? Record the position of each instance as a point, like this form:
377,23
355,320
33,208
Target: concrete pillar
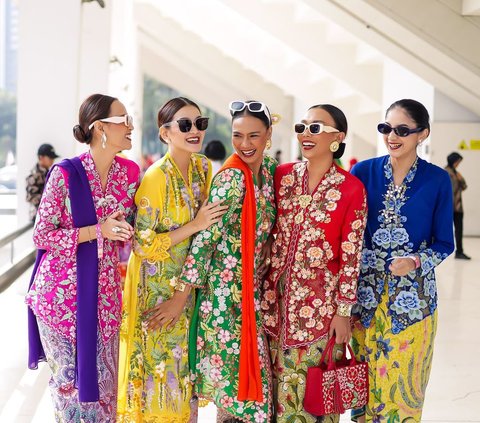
63,57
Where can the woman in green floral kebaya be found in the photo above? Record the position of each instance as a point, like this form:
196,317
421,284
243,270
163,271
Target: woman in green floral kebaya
229,353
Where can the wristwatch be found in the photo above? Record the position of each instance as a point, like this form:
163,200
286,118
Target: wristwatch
344,310
177,284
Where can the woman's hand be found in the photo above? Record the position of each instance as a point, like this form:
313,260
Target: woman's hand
402,266
209,214
116,227
340,326
165,314
265,259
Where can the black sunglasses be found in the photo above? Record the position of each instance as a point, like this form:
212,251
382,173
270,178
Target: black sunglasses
185,124
401,131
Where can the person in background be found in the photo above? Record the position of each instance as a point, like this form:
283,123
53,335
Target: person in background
215,151
458,186
409,233
278,156
35,182
75,294
154,378
311,286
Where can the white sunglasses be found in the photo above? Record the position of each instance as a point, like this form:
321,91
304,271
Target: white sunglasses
314,128
127,120
253,106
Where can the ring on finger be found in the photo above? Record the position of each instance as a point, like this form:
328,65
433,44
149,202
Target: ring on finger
116,229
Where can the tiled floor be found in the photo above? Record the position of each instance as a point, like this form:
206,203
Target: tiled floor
453,393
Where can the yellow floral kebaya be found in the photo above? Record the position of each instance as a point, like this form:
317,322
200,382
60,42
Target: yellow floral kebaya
154,379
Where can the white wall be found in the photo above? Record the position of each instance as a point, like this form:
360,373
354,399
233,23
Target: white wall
63,57
400,83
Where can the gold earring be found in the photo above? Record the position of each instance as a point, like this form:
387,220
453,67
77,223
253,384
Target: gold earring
268,145
334,146
104,140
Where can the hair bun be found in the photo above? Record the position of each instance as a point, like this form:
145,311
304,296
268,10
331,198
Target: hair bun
80,134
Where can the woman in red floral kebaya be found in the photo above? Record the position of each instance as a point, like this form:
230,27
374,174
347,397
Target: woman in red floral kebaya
311,287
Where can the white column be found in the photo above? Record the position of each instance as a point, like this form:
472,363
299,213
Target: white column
126,76
59,64
400,83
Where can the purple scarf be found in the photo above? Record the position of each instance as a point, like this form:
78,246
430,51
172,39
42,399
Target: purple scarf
83,214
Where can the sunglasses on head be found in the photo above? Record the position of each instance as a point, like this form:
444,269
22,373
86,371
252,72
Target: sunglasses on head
252,106
314,128
401,131
127,120
185,124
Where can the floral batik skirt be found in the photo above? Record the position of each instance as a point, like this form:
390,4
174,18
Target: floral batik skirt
158,385
289,378
60,353
399,366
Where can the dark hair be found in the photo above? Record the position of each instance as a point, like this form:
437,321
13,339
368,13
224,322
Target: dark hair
415,110
168,110
340,123
267,121
215,150
453,158
95,107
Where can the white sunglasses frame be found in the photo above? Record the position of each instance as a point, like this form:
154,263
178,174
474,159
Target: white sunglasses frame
127,120
263,109
323,128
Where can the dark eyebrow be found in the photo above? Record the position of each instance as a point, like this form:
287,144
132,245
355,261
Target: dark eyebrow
184,117
313,121
249,133
402,124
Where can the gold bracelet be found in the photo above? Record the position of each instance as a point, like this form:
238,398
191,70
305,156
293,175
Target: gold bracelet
89,235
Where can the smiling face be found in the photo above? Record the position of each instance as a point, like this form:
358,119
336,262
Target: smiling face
318,145
119,136
249,137
402,147
187,142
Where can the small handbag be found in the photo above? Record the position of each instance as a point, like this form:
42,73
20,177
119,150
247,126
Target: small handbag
336,386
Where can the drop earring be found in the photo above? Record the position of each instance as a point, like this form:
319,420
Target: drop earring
104,141
268,144
334,146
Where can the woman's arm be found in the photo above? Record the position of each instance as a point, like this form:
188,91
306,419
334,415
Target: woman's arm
442,228
197,263
54,209
350,255
149,200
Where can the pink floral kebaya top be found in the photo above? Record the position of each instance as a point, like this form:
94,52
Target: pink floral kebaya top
52,296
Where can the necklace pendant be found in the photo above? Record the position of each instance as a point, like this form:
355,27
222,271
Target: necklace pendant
304,200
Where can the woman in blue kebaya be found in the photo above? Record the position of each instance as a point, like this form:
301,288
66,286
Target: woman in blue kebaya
409,232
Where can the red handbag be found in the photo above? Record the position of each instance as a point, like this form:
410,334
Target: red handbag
336,386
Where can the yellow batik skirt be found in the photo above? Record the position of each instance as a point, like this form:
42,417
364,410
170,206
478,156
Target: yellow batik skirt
399,366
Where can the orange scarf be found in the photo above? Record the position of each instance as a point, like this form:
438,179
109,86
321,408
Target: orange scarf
250,380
